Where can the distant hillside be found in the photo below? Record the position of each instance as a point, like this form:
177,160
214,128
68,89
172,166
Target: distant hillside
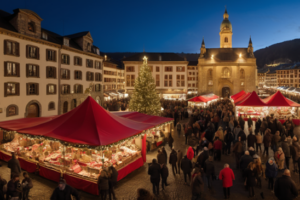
284,52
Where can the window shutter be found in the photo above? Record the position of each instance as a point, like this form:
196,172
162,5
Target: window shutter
27,51
54,56
92,77
27,88
54,89
18,89
68,89
18,69
5,89
38,53
38,71
27,70
47,54
87,76
47,89
47,72
5,68
5,46
17,49
37,88
54,72
68,74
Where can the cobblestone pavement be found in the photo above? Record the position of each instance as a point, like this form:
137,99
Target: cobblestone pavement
126,188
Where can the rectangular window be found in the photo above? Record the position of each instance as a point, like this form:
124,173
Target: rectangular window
77,61
77,75
65,89
51,89
44,36
169,69
182,81
11,89
128,80
11,69
32,71
50,72
168,81
180,69
97,65
89,63
32,88
132,80
98,77
157,69
78,89
11,48
50,55
65,59
89,76
129,69
157,80
65,74
32,52
98,88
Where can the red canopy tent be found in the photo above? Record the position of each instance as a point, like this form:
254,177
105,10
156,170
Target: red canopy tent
278,100
140,117
237,95
88,124
253,100
203,98
242,98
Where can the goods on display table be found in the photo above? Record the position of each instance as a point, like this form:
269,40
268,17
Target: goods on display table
203,100
278,112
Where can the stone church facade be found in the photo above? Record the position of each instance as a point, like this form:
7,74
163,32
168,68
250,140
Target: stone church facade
225,71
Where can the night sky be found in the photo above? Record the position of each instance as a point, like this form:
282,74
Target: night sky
167,26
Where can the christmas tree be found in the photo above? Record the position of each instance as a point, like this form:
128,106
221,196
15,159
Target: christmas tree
144,98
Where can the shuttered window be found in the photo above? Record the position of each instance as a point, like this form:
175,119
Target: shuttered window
50,72
89,63
65,89
32,71
11,48
65,59
11,89
32,52
32,88
89,76
51,89
11,69
77,75
50,55
65,74
78,89
97,87
77,61
98,77
97,65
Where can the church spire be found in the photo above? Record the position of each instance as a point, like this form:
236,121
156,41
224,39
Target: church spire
225,15
250,41
203,44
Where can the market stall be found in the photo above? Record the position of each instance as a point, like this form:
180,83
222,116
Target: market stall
77,145
241,98
237,95
203,100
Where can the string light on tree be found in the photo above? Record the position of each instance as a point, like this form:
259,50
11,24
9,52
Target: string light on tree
145,98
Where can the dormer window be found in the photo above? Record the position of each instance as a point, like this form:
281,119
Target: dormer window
98,52
44,36
31,26
88,47
66,41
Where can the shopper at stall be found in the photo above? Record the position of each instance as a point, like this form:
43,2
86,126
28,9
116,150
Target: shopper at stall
285,188
112,181
295,150
251,139
228,139
27,185
258,141
271,172
14,188
217,149
164,176
226,176
276,141
286,150
202,157
244,162
3,182
154,171
173,161
250,122
103,185
241,122
14,165
64,192
186,166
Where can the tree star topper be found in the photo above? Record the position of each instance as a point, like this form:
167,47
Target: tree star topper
145,60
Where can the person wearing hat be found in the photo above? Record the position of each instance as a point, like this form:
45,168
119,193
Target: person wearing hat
64,192
271,172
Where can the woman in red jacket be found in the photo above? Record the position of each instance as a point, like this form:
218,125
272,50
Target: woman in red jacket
226,175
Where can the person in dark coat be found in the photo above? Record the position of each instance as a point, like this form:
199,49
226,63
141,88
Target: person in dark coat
64,192
209,169
2,183
202,157
251,139
112,181
103,185
163,150
196,185
267,141
285,188
14,165
171,140
244,162
189,132
154,171
179,158
160,157
250,174
186,166
164,176
228,139
14,188
242,135
27,185
271,172
242,122
173,161
272,125
250,122
238,151
286,150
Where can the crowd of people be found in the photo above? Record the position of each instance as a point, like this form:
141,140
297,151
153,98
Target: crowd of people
116,104
215,131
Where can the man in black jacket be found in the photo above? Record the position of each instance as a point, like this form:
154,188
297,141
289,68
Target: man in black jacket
244,162
202,157
186,166
112,181
251,139
154,171
164,176
14,188
14,165
64,192
285,188
209,169
173,161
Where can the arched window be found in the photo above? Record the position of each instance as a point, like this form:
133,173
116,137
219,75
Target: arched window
226,39
225,72
51,106
65,107
74,103
12,110
242,73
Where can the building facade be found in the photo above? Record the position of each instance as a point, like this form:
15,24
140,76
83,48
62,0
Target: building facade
225,71
43,73
168,70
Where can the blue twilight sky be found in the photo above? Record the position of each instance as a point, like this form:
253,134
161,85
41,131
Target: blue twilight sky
167,26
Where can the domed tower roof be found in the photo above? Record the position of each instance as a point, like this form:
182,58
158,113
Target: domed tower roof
226,25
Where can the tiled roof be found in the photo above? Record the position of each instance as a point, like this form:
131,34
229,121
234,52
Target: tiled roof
193,63
225,54
77,35
155,57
